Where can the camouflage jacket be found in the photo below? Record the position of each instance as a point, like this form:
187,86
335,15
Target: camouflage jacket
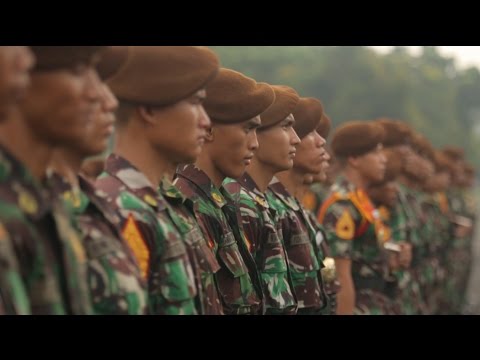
152,234
13,294
238,281
203,260
116,285
45,241
299,241
265,244
356,232
314,197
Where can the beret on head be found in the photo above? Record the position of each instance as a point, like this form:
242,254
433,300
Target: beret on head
394,165
308,115
61,57
111,60
356,138
286,100
396,132
442,162
324,127
424,147
162,75
454,153
233,97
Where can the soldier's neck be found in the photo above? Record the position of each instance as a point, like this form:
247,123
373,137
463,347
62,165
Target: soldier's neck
292,180
262,174
205,163
143,156
67,165
354,177
33,152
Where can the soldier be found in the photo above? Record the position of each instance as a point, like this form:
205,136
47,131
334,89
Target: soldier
61,100
234,104
115,282
301,238
352,223
276,148
156,101
312,194
15,64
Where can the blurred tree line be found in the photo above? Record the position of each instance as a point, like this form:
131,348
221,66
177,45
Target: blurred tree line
354,82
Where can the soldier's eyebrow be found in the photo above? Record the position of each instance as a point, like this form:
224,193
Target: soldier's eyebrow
254,123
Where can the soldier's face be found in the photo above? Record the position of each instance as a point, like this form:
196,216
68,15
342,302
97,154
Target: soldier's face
311,154
102,126
277,145
15,64
61,104
372,165
181,129
233,146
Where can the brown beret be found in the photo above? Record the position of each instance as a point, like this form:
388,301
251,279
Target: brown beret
286,99
60,57
324,127
356,138
308,115
396,132
424,147
111,59
232,97
163,75
442,163
454,153
394,165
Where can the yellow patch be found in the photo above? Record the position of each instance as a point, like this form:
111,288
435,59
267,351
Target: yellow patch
137,244
345,228
150,200
77,246
309,201
260,201
218,199
27,203
72,198
384,213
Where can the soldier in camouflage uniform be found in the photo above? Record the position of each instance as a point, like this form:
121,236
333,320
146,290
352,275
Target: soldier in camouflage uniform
302,238
15,63
329,276
384,195
156,101
62,98
116,285
234,104
277,140
353,224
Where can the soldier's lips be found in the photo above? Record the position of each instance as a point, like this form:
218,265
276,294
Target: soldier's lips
292,154
248,160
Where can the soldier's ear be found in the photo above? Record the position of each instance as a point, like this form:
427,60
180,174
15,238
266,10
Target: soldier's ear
210,134
147,114
352,161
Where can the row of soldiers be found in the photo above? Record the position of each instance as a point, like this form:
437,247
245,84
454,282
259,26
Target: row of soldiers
206,203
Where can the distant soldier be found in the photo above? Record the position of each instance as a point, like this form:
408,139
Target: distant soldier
353,225
156,100
234,104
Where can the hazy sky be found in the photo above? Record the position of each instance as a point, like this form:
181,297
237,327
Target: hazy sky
465,56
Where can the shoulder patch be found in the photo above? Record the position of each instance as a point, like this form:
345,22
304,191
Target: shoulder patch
345,227
137,244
